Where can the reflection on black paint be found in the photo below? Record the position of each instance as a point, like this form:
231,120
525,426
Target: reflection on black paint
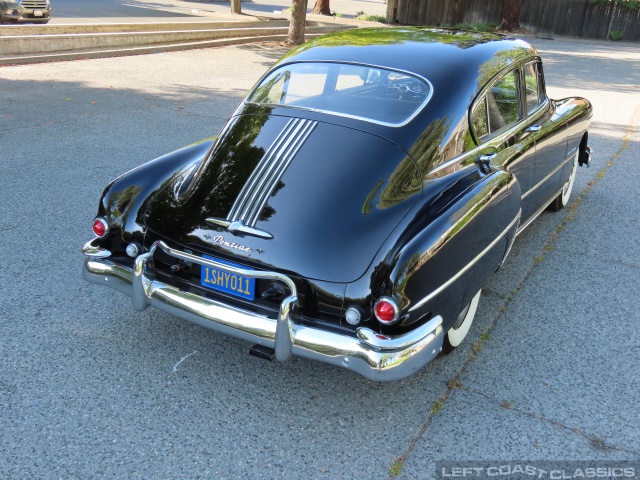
217,182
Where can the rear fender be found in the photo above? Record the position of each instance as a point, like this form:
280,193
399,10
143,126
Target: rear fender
123,201
441,268
577,113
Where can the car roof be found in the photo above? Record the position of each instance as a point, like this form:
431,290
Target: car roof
436,54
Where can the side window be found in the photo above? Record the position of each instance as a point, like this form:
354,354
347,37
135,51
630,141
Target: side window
532,87
502,102
499,107
479,119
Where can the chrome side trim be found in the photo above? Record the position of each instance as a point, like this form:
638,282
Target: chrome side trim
537,213
238,226
384,342
242,228
218,221
562,164
376,357
90,250
511,242
468,266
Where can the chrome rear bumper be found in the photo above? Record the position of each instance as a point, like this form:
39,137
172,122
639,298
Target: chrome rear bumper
377,357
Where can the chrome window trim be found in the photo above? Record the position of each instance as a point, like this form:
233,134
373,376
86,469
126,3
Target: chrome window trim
541,95
483,94
488,140
468,265
518,78
523,118
345,115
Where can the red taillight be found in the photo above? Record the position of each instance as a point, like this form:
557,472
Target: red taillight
100,227
386,310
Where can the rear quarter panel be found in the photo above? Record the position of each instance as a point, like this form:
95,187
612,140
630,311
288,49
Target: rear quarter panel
458,240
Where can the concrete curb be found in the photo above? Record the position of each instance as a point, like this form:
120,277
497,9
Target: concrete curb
26,45
104,53
68,29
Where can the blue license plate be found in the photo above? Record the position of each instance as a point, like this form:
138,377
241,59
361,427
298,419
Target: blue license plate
227,281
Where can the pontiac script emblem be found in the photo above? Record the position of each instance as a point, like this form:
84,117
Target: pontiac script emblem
219,239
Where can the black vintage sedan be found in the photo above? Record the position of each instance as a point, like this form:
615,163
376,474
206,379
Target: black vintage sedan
354,204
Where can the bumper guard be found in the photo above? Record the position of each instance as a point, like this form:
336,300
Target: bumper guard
368,353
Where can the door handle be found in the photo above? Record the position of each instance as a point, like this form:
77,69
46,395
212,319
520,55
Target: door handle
534,128
484,162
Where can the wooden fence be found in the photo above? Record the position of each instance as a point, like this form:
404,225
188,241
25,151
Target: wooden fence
576,18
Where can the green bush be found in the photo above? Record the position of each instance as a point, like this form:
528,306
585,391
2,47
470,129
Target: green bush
371,18
476,27
615,35
630,4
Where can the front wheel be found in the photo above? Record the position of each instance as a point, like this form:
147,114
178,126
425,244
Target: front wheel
459,331
563,198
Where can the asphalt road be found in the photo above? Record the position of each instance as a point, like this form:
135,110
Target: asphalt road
90,388
99,11
63,9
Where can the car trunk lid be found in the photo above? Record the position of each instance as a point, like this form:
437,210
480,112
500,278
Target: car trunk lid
293,195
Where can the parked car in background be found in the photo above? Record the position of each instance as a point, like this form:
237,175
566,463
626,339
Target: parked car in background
354,204
25,11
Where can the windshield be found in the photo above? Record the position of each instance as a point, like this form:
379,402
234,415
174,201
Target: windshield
368,93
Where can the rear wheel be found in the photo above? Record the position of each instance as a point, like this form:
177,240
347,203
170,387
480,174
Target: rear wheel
459,331
563,198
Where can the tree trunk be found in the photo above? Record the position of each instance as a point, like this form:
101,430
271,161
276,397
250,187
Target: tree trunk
296,25
321,7
235,6
392,11
510,15
458,8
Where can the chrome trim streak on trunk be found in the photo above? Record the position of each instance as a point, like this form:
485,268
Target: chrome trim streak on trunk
255,193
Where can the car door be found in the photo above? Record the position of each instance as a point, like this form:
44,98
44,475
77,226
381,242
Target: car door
498,122
549,134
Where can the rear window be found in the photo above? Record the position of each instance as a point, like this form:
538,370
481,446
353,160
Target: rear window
358,91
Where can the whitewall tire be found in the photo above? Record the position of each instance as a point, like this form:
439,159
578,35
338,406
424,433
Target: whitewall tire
457,334
562,199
